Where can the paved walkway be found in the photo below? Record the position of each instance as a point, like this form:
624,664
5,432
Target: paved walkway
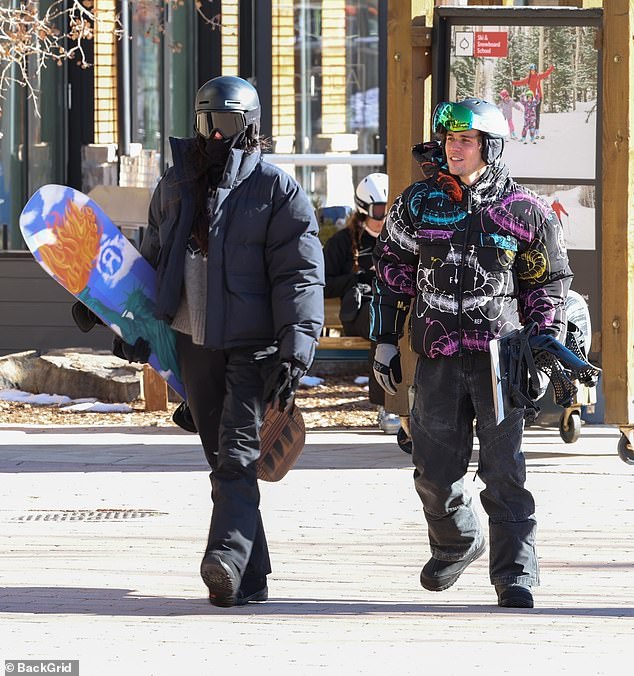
101,536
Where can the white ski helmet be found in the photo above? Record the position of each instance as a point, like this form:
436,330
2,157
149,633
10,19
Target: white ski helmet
371,191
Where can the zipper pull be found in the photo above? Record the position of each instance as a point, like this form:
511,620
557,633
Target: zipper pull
468,201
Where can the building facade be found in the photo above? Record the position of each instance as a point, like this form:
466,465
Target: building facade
318,65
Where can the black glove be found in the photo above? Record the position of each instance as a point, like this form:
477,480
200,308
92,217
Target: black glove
365,277
282,383
182,416
139,352
352,301
84,317
429,156
365,290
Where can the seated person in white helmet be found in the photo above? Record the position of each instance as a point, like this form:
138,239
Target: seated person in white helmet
350,273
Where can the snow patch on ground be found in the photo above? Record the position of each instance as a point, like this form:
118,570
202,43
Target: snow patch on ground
65,404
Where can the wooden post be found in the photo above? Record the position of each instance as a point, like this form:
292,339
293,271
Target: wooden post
408,113
405,86
617,344
154,390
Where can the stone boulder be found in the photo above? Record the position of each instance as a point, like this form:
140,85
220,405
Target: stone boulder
76,373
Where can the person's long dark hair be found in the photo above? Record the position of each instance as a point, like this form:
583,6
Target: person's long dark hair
354,223
205,174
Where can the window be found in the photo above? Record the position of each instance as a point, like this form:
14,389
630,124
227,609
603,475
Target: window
325,89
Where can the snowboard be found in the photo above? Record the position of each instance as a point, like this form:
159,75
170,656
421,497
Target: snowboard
499,379
83,250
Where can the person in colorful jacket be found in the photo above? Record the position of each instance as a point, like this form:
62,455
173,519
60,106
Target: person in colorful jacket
506,105
534,82
470,256
559,209
531,105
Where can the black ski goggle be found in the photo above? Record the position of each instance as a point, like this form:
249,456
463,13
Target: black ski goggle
228,124
377,211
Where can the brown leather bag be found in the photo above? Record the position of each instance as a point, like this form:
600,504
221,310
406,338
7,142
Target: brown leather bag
282,439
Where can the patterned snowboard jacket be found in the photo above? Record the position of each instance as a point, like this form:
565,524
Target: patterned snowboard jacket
472,263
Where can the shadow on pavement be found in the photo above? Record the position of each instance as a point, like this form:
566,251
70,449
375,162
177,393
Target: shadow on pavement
123,602
169,449
157,457
154,457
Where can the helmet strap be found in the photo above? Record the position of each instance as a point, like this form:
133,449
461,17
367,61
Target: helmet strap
373,233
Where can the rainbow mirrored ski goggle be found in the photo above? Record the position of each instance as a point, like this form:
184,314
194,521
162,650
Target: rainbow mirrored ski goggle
453,117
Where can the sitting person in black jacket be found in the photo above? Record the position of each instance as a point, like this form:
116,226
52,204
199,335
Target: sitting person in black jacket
350,273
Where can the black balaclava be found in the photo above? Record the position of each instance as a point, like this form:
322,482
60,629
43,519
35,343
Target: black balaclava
216,152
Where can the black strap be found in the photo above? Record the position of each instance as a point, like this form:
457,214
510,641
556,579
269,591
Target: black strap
521,365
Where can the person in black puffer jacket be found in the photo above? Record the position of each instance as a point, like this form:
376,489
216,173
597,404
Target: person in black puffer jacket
350,274
240,272
480,256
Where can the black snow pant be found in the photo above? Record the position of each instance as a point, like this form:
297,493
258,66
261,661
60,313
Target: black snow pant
224,392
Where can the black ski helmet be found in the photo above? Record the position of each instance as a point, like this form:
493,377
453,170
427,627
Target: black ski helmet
228,104
474,113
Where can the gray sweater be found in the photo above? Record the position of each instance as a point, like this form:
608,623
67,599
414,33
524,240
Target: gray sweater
190,316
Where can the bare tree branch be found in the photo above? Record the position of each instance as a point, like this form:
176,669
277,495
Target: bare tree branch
29,40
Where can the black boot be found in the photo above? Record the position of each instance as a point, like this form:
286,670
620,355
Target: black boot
221,579
514,596
438,575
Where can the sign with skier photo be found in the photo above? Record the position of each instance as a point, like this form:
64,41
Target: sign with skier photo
544,79
575,208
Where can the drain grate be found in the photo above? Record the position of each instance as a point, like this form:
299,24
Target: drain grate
88,515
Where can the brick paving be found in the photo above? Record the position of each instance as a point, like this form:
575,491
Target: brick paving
101,536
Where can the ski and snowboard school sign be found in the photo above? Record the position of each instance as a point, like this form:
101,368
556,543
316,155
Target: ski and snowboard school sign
482,43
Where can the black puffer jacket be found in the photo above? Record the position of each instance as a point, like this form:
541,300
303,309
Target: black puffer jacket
339,260
265,270
478,261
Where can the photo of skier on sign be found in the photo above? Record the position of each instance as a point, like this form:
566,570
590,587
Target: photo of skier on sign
530,103
560,210
534,82
506,105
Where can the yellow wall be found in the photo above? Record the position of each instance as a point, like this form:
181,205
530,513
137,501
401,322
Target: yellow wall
333,64
229,37
105,44
283,69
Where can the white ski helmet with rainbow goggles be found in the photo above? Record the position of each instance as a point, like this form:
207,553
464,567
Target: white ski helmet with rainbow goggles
370,197
474,113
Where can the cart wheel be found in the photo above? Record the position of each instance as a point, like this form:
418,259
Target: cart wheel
571,432
404,441
625,451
